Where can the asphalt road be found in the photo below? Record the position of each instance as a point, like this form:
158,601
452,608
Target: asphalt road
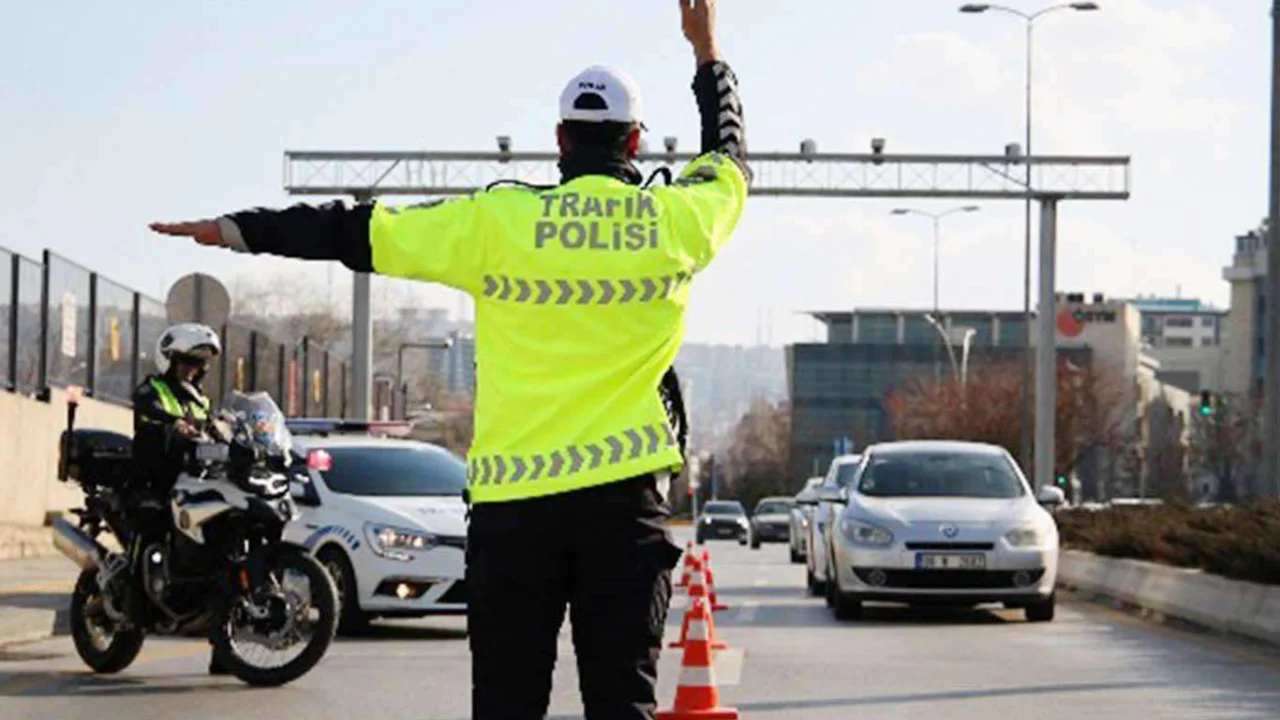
789,659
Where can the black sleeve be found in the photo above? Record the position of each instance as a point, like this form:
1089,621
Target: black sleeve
720,109
326,232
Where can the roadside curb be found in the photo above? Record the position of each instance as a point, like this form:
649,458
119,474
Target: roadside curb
1229,606
19,625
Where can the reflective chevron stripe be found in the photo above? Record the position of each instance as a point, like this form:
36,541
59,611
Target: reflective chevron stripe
575,291
564,462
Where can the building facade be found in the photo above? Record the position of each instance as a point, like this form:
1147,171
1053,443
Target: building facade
841,389
1188,337
1245,347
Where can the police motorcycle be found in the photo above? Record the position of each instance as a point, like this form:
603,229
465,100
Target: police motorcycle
222,569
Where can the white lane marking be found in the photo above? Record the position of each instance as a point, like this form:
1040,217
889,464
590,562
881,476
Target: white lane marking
747,611
761,582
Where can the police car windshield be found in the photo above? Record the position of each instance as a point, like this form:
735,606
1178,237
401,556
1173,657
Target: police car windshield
940,474
394,471
723,508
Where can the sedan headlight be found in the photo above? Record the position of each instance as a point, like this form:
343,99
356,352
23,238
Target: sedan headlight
1028,536
858,532
392,542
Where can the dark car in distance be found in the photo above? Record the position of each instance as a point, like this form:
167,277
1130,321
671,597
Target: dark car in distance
771,522
723,520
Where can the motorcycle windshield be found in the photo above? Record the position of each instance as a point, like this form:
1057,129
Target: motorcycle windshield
262,420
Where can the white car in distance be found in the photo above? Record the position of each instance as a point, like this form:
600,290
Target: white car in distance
801,516
940,522
829,501
385,517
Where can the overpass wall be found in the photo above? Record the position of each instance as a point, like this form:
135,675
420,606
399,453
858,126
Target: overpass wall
29,487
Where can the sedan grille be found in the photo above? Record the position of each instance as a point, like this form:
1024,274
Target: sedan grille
950,546
947,579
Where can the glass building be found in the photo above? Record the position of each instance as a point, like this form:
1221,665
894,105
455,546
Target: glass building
839,389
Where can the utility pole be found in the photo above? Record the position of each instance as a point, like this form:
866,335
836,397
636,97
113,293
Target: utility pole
1271,371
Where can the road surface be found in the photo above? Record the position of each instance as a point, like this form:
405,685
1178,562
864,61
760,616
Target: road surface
789,659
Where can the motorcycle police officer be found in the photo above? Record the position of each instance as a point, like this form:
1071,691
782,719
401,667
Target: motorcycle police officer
581,292
169,412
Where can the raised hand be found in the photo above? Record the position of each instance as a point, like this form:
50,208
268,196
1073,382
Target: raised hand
698,19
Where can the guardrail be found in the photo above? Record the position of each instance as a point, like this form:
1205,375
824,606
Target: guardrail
62,324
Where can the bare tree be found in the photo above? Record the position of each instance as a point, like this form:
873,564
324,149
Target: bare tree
757,461
1094,413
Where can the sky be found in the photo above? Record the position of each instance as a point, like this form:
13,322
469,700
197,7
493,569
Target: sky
116,114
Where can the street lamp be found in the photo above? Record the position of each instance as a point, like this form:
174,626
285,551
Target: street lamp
937,223
1030,20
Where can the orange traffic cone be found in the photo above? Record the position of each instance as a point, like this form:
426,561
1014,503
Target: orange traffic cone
716,605
696,696
690,559
698,596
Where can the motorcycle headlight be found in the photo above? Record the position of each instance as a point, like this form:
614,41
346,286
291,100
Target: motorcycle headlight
393,542
1025,537
858,532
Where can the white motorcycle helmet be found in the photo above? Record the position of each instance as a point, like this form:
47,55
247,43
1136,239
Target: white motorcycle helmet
187,339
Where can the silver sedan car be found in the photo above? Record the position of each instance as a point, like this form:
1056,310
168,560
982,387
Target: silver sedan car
943,523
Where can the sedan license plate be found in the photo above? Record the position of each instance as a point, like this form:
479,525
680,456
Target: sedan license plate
951,561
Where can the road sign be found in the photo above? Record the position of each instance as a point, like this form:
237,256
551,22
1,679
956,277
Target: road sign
198,298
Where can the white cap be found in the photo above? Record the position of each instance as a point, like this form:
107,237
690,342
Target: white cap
601,94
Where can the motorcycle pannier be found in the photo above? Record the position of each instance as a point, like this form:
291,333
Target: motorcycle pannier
100,457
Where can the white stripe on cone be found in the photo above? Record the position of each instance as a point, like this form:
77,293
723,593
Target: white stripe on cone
697,631
697,677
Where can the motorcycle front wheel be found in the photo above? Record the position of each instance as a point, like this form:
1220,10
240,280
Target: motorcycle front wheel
105,645
281,631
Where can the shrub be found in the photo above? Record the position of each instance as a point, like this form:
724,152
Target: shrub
1239,542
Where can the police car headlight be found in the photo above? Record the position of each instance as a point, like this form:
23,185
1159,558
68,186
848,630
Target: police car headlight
393,542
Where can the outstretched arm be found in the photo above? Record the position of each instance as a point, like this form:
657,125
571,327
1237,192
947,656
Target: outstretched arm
327,232
440,241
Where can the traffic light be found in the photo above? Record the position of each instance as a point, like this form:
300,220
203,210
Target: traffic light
1206,403
1061,480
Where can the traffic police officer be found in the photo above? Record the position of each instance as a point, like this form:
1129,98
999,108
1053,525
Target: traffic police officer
581,292
169,412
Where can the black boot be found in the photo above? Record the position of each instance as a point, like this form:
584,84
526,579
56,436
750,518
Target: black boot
216,666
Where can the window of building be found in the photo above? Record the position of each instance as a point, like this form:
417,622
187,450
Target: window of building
1181,342
878,329
1178,322
1207,342
1207,321
919,331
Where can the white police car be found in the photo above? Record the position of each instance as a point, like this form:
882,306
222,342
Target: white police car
385,516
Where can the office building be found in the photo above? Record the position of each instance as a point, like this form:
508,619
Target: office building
840,389
1187,336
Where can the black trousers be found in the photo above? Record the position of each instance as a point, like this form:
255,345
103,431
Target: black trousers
605,554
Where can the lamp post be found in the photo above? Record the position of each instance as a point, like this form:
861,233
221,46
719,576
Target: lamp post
1030,20
937,231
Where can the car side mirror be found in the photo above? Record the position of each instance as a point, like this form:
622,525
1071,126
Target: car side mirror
831,494
807,501
1051,497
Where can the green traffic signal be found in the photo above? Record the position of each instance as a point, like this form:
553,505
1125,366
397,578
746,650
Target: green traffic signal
1206,403
1062,479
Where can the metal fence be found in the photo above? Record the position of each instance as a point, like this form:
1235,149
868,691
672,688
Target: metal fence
62,324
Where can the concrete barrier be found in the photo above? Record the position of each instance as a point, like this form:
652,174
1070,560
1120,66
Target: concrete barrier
1212,601
29,487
